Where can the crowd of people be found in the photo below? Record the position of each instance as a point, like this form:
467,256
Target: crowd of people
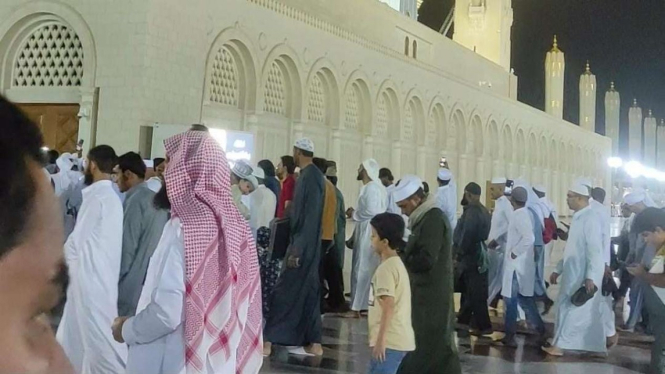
170,265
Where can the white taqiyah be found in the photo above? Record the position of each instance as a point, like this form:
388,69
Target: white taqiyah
406,187
305,144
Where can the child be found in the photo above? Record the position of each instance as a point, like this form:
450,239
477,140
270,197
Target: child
651,225
391,336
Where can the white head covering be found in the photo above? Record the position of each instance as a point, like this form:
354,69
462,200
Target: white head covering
540,188
244,171
372,168
533,202
580,189
305,144
639,195
499,180
259,173
406,187
444,174
584,182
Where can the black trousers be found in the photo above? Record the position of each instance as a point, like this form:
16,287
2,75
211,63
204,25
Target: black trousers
473,311
331,277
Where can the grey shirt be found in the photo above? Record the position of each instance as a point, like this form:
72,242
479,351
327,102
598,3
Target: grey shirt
142,228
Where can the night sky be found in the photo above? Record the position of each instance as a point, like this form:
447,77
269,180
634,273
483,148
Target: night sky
624,40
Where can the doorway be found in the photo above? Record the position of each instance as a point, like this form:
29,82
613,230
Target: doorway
59,124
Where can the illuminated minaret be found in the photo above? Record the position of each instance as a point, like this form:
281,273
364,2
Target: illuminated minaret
660,146
612,115
635,132
650,125
555,66
588,99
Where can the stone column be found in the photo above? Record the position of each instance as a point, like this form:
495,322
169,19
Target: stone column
635,132
88,118
650,125
588,100
555,66
252,125
396,158
612,117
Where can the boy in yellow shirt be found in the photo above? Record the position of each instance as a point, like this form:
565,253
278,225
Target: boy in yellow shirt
390,332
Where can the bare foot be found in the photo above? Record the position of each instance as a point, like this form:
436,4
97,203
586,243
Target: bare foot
267,349
314,349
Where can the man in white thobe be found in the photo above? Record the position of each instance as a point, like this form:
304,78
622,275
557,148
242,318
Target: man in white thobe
93,252
262,204
387,180
372,201
503,210
519,274
578,327
444,198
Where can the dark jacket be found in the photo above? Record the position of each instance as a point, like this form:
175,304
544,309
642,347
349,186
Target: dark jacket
472,230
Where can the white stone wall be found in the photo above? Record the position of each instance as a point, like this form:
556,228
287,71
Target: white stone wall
338,73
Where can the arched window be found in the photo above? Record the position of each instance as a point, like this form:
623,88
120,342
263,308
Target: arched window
415,49
406,46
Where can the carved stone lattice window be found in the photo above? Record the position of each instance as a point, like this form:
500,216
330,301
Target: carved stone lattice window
382,118
352,110
223,85
52,56
275,98
408,123
316,110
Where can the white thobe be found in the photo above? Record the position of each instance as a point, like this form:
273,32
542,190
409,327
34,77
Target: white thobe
155,335
372,201
262,207
93,252
154,184
604,216
447,204
503,210
579,328
520,242
391,203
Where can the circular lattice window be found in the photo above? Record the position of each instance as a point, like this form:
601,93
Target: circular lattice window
51,56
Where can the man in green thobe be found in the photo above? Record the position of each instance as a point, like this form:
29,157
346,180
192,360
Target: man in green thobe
429,261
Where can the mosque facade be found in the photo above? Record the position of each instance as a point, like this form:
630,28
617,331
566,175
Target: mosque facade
356,76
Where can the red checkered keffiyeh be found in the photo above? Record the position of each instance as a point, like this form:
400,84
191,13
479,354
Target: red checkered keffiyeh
223,299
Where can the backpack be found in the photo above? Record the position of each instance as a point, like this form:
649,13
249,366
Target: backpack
549,232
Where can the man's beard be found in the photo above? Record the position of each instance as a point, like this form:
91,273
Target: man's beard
359,177
62,278
161,199
464,202
88,179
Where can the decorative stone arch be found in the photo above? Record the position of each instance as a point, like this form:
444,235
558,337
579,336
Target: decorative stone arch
553,154
532,156
322,94
388,116
508,141
230,75
358,104
414,108
493,135
436,125
66,69
543,153
457,133
281,87
476,129
520,147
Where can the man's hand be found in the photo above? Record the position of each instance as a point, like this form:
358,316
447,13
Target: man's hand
117,329
493,244
554,277
563,235
379,351
292,262
588,284
349,212
637,271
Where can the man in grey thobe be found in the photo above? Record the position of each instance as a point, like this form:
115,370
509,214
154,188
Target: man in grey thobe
142,228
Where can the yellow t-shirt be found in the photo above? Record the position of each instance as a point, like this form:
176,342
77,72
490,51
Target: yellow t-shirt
392,279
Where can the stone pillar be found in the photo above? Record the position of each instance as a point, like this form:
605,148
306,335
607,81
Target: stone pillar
612,117
555,67
463,174
635,132
650,125
588,100
252,125
88,118
660,144
480,172
336,136
396,159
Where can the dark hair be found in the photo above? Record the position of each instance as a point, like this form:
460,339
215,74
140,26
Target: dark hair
133,162
333,180
320,163
198,127
289,163
306,153
157,161
268,168
390,226
598,194
161,199
473,188
649,219
425,187
105,158
52,156
386,173
20,144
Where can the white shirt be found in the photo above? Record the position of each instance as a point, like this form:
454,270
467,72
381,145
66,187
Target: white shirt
93,252
263,203
447,204
503,210
154,184
604,215
156,335
391,203
520,241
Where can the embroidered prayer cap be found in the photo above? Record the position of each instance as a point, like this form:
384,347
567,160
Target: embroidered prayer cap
372,168
406,187
244,171
305,144
444,174
580,189
259,173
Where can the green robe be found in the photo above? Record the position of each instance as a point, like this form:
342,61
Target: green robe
429,260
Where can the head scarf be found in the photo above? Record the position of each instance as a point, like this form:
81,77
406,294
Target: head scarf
639,195
223,299
406,187
533,202
372,168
